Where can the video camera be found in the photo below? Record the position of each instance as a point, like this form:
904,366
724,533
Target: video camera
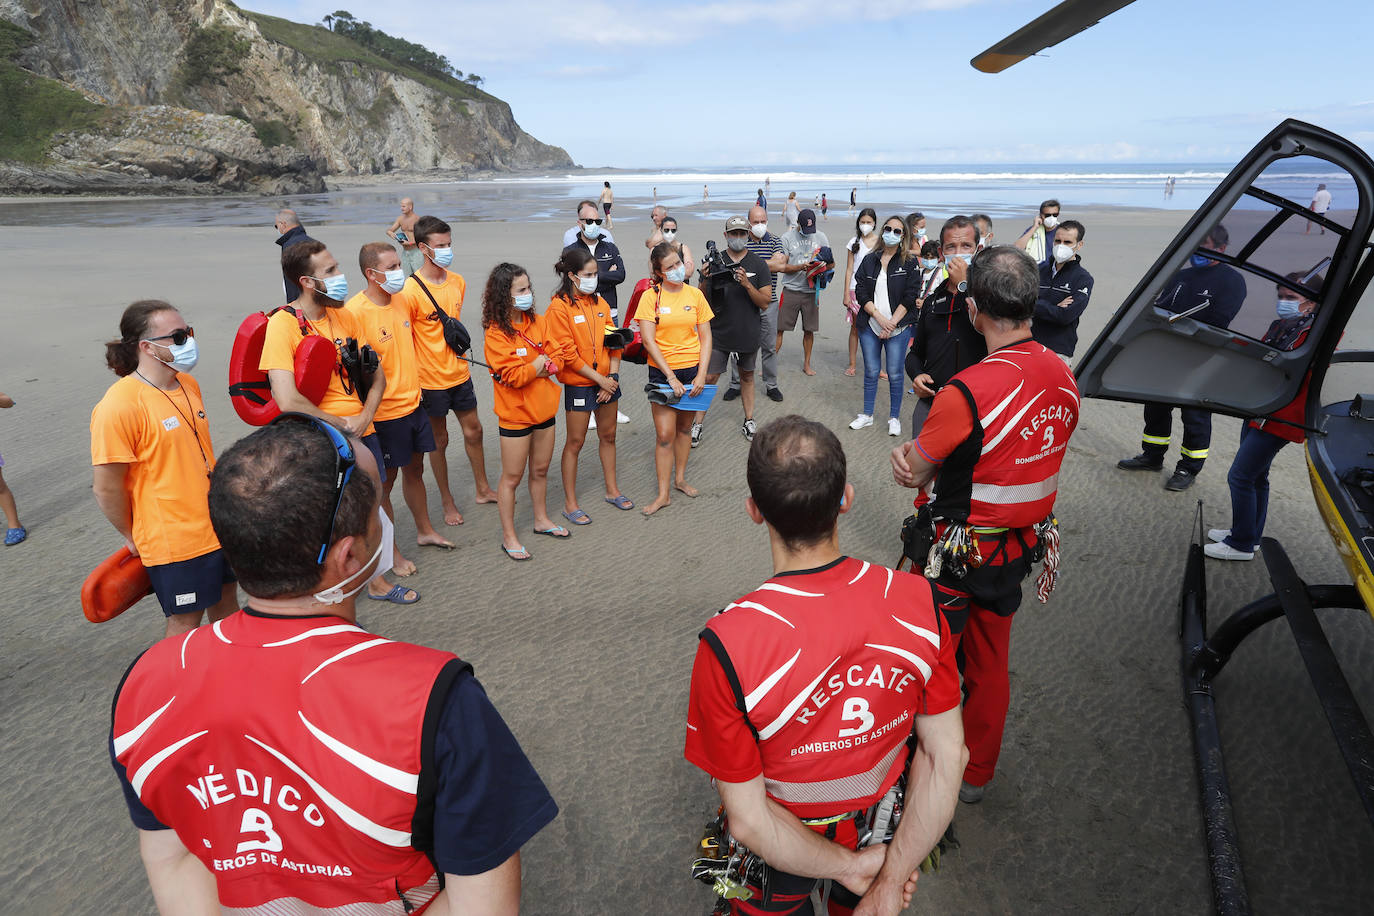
715,265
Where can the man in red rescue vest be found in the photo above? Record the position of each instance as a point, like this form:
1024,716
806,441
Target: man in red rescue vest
287,760
993,444
809,694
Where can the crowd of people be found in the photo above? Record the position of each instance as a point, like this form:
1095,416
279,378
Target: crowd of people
840,734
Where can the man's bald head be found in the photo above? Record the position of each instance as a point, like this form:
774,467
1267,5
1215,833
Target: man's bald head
407,205
757,215
286,218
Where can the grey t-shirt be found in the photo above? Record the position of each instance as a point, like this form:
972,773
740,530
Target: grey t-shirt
800,250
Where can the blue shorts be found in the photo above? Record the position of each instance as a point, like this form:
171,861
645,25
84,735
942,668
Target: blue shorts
190,586
582,398
374,446
404,437
458,398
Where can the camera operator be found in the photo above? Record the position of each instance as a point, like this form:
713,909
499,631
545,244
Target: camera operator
738,285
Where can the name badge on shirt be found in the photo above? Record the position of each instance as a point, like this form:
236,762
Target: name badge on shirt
520,352
665,310
579,319
170,423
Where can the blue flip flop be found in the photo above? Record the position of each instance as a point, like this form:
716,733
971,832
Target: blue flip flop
15,535
397,595
578,517
621,502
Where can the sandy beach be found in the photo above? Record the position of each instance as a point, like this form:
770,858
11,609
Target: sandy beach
1094,808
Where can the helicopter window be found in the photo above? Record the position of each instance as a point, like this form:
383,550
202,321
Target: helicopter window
1262,269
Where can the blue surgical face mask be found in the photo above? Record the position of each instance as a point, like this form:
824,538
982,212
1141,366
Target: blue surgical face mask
592,231
1198,260
442,257
184,357
930,263
335,287
1289,308
676,275
395,279
524,302
891,239
966,258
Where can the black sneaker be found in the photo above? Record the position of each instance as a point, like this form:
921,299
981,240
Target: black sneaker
1181,480
775,395
1141,462
730,394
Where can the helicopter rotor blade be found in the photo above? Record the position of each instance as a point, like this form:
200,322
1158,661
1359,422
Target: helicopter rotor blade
1064,21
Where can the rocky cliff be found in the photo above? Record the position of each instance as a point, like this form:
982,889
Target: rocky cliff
198,94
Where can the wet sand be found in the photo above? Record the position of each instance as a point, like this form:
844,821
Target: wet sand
587,650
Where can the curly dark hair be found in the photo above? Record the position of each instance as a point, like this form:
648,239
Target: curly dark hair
496,299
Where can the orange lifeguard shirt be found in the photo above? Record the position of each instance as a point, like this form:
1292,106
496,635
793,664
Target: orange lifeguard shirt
439,367
164,438
522,397
284,338
579,329
387,328
678,315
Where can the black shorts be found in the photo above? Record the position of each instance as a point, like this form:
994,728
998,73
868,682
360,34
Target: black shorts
525,430
404,437
582,398
190,586
607,208
458,399
685,376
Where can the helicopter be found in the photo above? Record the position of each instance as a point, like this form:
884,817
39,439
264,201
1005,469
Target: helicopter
1149,352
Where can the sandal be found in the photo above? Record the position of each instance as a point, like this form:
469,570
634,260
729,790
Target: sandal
578,517
621,502
557,531
15,535
513,552
397,595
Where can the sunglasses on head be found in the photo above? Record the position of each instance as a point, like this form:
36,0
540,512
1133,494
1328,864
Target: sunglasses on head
344,463
589,220
177,337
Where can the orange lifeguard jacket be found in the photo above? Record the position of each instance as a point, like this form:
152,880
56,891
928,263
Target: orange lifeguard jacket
249,390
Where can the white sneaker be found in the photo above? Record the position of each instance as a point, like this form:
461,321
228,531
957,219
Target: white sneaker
894,427
1218,535
862,421
621,418
1222,551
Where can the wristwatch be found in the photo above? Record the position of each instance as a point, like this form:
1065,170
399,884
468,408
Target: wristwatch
963,286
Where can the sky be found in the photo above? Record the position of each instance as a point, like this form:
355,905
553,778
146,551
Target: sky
633,84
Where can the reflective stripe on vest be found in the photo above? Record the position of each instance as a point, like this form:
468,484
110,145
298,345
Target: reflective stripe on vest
857,786
416,899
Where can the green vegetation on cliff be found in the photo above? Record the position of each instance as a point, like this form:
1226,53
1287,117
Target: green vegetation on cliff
329,48
33,108
211,54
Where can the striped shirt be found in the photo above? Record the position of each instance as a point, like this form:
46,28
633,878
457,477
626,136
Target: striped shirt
765,248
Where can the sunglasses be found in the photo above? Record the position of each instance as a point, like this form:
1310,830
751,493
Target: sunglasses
344,463
895,230
177,337
588,222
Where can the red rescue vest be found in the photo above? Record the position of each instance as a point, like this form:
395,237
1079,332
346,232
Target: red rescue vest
286,754
1006,473
830,670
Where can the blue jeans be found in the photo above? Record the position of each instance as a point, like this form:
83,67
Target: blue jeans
1249,483
874,349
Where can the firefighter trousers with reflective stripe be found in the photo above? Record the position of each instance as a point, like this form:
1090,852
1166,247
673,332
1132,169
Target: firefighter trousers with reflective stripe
1197,435
790,894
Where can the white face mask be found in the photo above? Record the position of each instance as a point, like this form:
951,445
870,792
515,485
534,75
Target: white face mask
335,594
1051,222
669,234
587,284
759,230
865,229
1062,253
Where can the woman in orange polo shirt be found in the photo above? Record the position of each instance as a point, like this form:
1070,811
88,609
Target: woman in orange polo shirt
577,320
522,360
675,323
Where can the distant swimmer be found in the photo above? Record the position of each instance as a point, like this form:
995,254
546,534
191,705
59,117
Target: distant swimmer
152,454
289,232
15,532
403,231
853,199
705,193
606,200
1321,202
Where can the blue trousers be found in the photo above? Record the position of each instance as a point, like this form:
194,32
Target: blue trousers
1249,483
875,349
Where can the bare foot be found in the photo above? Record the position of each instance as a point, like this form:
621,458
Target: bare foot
807,370
489,497
401,566
434,540
656,505
685,487
452,516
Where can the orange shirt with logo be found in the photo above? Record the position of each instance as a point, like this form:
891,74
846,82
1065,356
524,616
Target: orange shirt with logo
523,398
579,329
284,338
164,438
677,315
387,328
439,367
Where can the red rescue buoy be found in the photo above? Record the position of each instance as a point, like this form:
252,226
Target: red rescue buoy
249,390
117,584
